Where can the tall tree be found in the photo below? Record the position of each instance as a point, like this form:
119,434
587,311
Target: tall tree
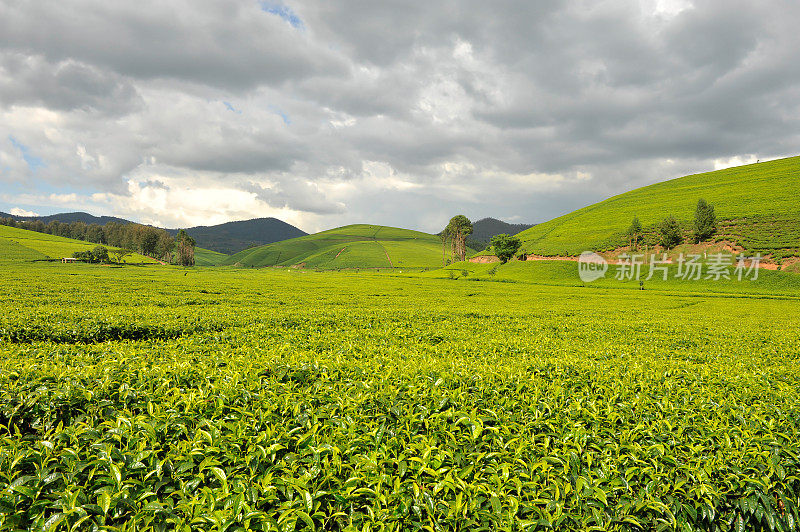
457,230
148,240
184,247
166,246
705,221
634,233
443,236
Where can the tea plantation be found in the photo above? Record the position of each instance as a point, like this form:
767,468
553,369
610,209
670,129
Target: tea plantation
156,398
756,205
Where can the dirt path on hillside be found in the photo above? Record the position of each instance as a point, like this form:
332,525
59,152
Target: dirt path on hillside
487,259
387,254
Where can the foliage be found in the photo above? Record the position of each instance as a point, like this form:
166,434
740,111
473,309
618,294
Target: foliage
290,400
184,246
100,254
505,246
97,254
705,221
457,231
635,232
671,234
119,254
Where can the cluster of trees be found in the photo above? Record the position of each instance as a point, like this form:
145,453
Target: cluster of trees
184,247
144,239
670,233
98,254
456,233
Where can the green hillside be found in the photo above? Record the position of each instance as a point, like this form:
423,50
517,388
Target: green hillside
207,257
757,207
352,246
23,245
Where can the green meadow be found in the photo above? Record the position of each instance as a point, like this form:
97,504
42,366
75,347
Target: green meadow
161,398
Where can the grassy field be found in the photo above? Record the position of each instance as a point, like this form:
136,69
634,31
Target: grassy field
757,206
233,399
352,246
23,245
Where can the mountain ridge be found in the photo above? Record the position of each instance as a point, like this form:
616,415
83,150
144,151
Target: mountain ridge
227,238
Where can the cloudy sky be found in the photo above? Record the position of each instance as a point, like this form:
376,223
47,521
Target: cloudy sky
323,112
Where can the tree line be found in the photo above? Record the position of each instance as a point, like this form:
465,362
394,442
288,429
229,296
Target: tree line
131,237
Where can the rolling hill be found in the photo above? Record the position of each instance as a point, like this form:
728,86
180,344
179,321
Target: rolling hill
23,245
226,238
757,208
206,257
351,246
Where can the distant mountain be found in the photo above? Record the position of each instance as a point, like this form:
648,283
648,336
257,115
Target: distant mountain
232,237
228,238
483,231
69,217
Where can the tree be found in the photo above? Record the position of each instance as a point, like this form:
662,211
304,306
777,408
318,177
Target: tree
184,246
457,230
635,232
671,234
505,246
94,233
166,245
443,236
85,256
100,254
148,243
705,221
120,254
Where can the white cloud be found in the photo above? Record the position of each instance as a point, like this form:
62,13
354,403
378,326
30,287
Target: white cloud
16,211
739,160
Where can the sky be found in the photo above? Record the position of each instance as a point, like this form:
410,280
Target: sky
323,113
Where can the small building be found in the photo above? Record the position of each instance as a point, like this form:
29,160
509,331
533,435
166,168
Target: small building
66,260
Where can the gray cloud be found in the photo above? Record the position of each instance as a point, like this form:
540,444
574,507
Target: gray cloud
64,86
393,112
227,44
